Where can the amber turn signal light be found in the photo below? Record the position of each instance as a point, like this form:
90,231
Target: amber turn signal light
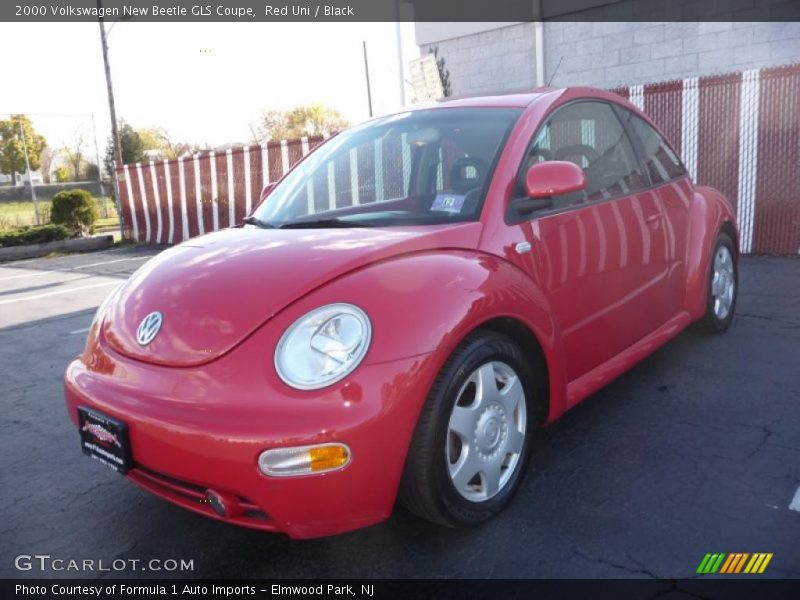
303,460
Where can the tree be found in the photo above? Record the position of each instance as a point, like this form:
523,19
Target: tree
313,119
160,139
61,174
152,138
12,149
91,172
74,155
132,148
46,163
444,72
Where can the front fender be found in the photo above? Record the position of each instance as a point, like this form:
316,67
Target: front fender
428,302
709,213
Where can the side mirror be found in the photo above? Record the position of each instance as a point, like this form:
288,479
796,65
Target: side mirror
553,178
545,180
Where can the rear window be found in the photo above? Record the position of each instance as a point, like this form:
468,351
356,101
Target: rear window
660,160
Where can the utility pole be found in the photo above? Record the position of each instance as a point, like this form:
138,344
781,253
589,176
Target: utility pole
114,128
366,72
400,69
30,175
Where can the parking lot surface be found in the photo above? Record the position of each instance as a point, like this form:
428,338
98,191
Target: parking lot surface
695,450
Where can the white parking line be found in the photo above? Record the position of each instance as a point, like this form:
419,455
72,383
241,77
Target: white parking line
56,293
795,505
108,262
36,274
44,258
40,273
84,330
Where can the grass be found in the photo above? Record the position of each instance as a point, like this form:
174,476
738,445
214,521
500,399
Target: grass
19,214
102,223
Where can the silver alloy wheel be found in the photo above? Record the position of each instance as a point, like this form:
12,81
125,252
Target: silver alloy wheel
723,283
486,432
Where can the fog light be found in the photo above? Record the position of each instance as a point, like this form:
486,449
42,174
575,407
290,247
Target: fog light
225,505
303,460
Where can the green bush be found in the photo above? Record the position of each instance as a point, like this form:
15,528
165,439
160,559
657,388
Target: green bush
38,234
62,174
76,209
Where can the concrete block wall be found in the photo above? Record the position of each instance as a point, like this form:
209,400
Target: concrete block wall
490,61
610,54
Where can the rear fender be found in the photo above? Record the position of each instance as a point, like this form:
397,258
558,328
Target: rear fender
709,213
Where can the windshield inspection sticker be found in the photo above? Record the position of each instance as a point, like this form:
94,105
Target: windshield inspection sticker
452,203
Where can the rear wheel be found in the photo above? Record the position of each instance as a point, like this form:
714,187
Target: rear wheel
470,450
722,286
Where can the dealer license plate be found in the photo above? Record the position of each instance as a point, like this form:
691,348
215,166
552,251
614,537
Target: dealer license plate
105,439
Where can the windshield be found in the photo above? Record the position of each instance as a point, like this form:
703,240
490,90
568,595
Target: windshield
414,168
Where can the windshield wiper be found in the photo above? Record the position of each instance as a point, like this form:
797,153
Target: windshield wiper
321,224
258,223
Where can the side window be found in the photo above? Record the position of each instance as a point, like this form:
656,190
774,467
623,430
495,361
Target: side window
661,162
590,135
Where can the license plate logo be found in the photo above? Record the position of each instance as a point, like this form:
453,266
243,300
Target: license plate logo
104,439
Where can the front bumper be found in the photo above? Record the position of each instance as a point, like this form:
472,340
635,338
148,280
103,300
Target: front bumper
204,427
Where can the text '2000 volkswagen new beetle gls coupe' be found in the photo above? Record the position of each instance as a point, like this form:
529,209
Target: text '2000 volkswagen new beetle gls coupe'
402,313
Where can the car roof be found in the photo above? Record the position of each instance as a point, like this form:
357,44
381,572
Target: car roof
518,99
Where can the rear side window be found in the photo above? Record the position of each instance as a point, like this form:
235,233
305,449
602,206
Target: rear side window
661,162
591,135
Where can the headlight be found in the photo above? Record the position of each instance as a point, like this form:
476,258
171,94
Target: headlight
323,346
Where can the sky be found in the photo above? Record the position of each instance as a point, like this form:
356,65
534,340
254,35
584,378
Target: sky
205,83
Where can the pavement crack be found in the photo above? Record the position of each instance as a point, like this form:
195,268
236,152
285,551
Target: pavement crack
674,587
90,490
767,318
641,570
767,434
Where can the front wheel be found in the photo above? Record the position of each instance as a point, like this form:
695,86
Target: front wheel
472,442
722,286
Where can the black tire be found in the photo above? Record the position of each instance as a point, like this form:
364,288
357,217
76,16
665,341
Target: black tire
427,488
712,321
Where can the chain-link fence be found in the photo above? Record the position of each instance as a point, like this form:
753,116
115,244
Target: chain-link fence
739,133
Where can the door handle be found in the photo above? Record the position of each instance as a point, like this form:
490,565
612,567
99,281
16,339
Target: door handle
653,220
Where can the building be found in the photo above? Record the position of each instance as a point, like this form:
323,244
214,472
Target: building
17,179
491,57
725,93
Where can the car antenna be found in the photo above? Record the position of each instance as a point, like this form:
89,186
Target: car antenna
556,71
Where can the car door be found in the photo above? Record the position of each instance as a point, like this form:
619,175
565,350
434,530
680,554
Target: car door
673,190
599,254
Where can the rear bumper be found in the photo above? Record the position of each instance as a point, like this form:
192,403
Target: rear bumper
198,428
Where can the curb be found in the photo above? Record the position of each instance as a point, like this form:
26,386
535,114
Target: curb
38,250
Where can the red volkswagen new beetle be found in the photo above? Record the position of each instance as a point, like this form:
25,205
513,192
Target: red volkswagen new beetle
403,312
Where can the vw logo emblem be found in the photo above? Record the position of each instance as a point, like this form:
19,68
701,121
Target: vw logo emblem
149,328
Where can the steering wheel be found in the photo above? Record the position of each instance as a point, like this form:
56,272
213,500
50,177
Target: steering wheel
460,179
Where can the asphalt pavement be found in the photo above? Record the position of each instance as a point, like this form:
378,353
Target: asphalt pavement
695,450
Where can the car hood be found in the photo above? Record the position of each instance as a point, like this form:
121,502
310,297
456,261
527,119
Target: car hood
213,291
